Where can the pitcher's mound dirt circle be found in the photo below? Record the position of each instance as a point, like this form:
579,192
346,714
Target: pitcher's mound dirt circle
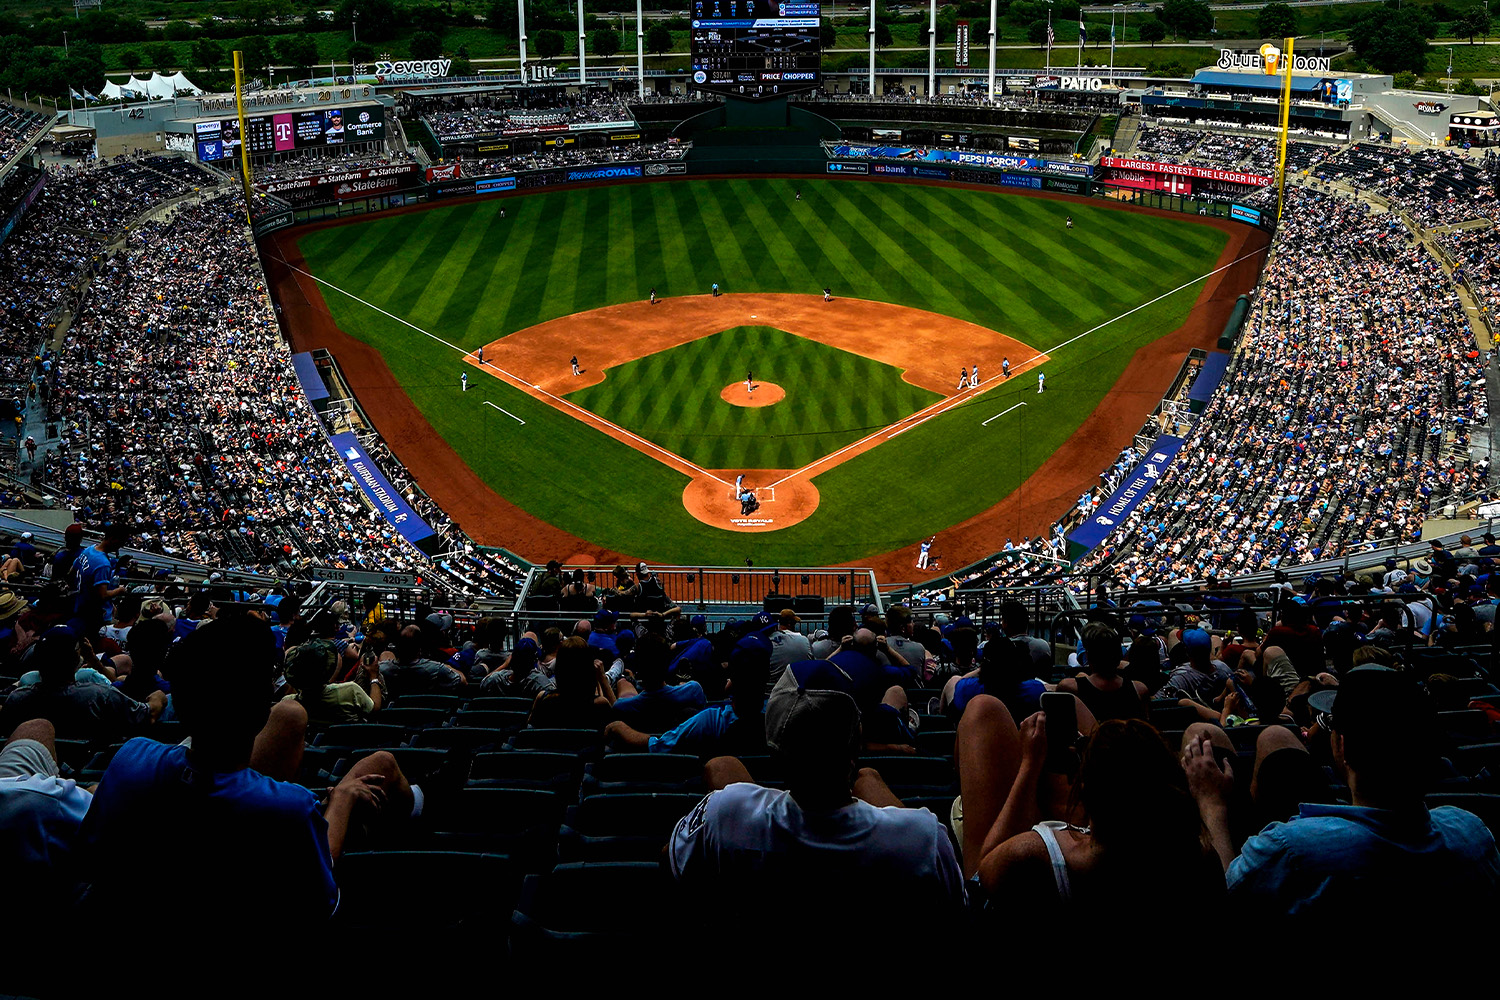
765,394
712,500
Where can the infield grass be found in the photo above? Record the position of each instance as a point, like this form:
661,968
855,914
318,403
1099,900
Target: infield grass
833,398
1003,261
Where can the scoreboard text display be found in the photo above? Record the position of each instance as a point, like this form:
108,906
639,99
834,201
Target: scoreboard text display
756,48
293,130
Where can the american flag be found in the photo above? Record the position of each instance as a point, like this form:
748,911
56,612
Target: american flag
1050,36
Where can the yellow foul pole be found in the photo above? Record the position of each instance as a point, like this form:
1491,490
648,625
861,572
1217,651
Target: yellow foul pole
1286,117
239,106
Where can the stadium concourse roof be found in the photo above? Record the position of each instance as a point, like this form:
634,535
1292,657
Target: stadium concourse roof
1254,81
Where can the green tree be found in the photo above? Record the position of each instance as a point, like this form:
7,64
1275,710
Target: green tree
1152,31
1475,21
297,50
1192,18
658,38
314,20
501,18
882,34
255,52
1036,33
549,44
606,42
828,35
162,56
179,31
375,20
361,52
425,45
1392,39
208,54
1276,20
131,59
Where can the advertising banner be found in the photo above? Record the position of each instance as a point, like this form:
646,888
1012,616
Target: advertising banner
848,168
450,189
1242,214
961,45
343,176
1186,170
448,172
1020,181
381,493
490,185
1071,187
603,173
1000,161
664,169
1128,496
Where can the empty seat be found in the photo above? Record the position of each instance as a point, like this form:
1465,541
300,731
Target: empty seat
413,718
562,911
934,773
936,744
447,702
461,738
446,890
643,772
497,703
579,741
527,769
811,605
491,720
628,827
521,822
362,735
1466,726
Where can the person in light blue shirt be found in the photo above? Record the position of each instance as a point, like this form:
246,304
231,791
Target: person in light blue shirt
1386,860
93,581
651,704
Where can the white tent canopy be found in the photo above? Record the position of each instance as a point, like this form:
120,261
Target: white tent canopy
159,87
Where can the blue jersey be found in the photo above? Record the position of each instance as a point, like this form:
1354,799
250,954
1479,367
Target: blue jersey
90,611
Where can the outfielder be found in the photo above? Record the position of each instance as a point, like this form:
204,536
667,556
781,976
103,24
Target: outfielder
1041,381
463,379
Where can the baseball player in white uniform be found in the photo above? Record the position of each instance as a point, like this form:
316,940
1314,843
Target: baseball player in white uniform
463,379
1041,381
922,555
974,378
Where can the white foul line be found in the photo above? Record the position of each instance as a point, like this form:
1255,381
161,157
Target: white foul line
519,382
1000,414
942,406
522,422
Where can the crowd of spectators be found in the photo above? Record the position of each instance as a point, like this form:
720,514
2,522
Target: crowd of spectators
1434,187
306,165
104,196
458,115
18,126
573,156
1345,418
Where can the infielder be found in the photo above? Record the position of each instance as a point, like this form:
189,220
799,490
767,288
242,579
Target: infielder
1005,367
827,294
653,295
963,379
1041,381
463,379
574,362
481,355
974,378
749,383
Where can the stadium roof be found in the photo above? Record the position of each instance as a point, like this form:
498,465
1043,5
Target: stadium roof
1254,81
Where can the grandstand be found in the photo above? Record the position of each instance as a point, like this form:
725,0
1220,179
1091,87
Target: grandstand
1273,604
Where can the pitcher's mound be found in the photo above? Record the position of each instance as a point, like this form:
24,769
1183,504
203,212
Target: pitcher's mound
765,394
711,501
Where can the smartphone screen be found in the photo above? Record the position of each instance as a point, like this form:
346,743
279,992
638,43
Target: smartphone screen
1061,711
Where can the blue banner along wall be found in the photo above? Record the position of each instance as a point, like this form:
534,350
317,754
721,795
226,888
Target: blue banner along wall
1128,496
1207,382
383,495
311,382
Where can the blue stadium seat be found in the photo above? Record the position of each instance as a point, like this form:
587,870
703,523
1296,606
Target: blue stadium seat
447,702
413,718
497,703
629,827
580,741
422,766
932,775
363,736
643,772
559,772
560,912
1465,726
491,720
461,738
520,822
936,744
446,891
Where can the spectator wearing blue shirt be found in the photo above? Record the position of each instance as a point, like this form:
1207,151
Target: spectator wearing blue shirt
245,848
1007,672
1385,861
655,705
601,634
93,579
879,689
200,608
737,728
64,558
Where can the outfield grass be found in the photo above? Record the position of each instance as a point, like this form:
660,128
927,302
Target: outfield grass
1000,260
833,398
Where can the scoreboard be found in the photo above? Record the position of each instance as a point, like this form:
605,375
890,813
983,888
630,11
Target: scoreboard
291,130
756,48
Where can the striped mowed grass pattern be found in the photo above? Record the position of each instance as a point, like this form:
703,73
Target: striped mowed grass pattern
833,398
992,257
1005,262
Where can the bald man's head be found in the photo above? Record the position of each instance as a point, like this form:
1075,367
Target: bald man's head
864,641
583,628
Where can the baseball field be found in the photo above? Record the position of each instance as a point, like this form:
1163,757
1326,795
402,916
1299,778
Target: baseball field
868,445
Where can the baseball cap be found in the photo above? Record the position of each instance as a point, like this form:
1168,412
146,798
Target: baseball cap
789,618
869,609
1368,699
811,723
698,620
443,622
762,619
26,536
1196,640
526,643
606,615
74,530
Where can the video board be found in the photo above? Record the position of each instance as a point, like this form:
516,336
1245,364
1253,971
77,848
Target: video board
289,130
756,48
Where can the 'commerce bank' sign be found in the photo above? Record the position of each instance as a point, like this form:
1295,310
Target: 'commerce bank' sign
1232,59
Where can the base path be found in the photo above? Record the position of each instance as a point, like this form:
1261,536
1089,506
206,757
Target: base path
930,348
765,394
711,500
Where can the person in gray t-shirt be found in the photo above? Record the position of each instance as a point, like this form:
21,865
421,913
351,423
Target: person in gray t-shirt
787,644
